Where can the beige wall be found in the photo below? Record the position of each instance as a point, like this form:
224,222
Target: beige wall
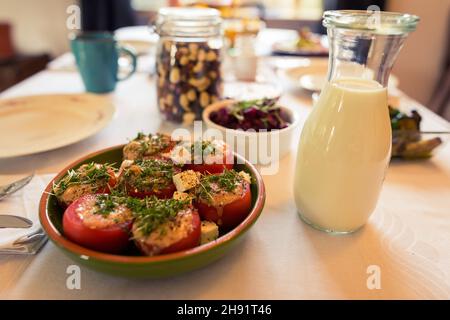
421,60
38,26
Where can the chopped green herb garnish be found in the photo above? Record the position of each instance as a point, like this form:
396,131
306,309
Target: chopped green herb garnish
92,173
140,136
105,204
150,174
264,105
201,149
149,213
259,115
153,143
152,212
216,183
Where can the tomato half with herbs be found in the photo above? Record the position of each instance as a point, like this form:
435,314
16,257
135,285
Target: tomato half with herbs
98,222
209,168
89,178
162,193
149,146
204,156
149,177
176,232
224,199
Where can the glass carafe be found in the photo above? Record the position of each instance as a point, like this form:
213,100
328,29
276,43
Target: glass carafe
345,145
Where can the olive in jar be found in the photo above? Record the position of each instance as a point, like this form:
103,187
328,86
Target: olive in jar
189,79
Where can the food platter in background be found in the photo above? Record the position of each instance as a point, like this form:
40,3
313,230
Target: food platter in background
141,38
306,44
310,74
243,90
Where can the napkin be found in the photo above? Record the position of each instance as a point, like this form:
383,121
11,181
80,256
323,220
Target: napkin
25,203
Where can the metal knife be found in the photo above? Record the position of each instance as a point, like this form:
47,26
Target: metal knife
15,186
11,221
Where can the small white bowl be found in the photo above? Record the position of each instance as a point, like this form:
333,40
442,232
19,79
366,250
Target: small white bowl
261,148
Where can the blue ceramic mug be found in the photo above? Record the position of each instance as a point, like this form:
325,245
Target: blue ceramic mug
97,55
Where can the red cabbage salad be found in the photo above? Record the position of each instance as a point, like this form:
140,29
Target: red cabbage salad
262,114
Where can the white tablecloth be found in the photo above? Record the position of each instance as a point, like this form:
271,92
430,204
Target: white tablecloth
407,238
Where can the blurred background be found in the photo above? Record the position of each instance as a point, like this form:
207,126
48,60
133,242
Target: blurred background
32,33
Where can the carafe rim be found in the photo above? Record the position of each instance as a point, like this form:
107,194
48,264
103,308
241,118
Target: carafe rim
374,21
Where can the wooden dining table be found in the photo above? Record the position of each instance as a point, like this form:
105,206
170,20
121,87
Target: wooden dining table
403,252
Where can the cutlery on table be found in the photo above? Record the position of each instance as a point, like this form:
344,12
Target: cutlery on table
8,189
30,238
28,248
11,221
28,244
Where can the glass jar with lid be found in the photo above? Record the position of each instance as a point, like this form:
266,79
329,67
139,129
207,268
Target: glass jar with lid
188,62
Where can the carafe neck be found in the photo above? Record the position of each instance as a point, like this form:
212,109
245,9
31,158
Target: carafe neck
358,55
364,44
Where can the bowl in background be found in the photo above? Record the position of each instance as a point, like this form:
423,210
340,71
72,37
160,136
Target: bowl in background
272,145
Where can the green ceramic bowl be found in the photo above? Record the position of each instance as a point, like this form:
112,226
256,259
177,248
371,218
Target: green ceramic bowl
50,215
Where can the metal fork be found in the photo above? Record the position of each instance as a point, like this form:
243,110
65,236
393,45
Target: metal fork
28,244
15,186
26,248
29,238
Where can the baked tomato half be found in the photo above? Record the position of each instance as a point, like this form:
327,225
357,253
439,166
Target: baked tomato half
224,198
100,222
204,156
165,226
149,177
87,179
148,146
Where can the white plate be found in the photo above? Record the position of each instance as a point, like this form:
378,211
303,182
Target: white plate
290,47
313,69
313,82
304,66
33,124
141,38
242,90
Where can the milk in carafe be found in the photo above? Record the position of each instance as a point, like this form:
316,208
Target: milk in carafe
342,155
